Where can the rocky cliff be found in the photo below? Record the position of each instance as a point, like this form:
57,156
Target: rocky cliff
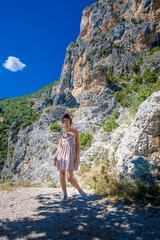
113,36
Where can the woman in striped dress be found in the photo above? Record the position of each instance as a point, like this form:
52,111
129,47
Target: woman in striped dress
68,156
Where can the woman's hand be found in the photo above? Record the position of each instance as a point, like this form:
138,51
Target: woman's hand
55,162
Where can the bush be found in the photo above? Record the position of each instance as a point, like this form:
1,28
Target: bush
123,98
47,111
108,51
135,67
140,20
35,117
157,48
97,163
85,140
142,95
11,151
27,123
55,127
126,78
111,122
115,113
111,79
133,20
15,139
140,60
85,168
137,80
110,125
88,58
151,77
122,19
135,192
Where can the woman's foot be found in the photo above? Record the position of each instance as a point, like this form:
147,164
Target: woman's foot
65,198
83,194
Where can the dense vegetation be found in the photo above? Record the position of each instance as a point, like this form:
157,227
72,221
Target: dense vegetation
19,108
137,88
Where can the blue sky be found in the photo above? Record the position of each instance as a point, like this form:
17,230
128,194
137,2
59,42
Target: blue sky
33,42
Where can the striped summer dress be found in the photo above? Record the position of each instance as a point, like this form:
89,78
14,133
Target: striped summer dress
66,159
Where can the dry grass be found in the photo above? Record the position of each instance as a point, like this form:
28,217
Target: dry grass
127,192
10,186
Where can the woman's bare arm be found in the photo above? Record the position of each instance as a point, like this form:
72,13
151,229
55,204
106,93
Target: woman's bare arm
77,147
59,146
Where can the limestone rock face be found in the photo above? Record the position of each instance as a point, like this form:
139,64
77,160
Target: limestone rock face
139,150
113,34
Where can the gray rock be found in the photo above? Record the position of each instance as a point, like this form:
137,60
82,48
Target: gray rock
135,155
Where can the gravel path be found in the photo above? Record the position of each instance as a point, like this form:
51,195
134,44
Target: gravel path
37,213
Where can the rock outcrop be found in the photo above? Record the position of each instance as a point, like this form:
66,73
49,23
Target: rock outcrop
138,154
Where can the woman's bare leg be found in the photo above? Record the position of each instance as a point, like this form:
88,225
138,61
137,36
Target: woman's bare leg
72,180
62,174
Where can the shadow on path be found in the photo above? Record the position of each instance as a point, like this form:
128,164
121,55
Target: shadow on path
83,219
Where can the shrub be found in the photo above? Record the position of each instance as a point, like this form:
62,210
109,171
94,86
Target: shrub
35,117
126,78
115,113
133,20
140,60
94,129
111,78
140,20
17,128
137,80
123,98
135,67
99,68
11,151
53,185
157,48
93,52
142,95
97,163
88,58
110,125
108,51
115,45
151,77
55,127
31,103
122,19
111,122
27,122
85,140
85,168
135,192
91,158
47,111
15,139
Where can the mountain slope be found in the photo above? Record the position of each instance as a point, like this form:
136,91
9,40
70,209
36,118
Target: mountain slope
108,72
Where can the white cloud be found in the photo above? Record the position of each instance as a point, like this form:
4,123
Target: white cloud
13,64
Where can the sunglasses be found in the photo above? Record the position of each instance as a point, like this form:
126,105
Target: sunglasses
65,119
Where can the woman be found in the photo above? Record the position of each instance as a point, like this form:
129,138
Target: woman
68,156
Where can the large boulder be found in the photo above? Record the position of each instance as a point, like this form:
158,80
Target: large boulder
138,154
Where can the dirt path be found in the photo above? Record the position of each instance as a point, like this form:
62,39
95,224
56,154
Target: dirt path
37,213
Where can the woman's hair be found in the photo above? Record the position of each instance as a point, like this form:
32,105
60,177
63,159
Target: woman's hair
67,115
